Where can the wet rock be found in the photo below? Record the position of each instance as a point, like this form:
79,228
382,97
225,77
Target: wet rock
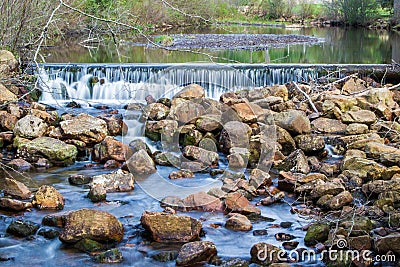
166,159
97,193
288,181
85,128
340,200
110,149
236,202
91,224
16,189
7,120
235,263
156,111
310,144
47,197
56,151
114,182
266,254
234,134
165,256
165,227
312,177
141,163
317,232
238,222
293,121
259,178
326,125
296,162
357,128
30,127
380,186
329,188
191,91
186,111
48,233
22,228
285,140
388,243
209,123
109,256
139,144
161,130
203,202
20,165
88,245
192,138
115,125
208,158
181,174
79,179
360,116
13,204
6,96
278,91
195,253
217,192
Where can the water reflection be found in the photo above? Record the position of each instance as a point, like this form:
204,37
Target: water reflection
342,45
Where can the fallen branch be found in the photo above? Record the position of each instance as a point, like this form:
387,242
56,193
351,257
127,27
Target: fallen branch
308,98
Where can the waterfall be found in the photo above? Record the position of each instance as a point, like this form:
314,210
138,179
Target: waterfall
113,83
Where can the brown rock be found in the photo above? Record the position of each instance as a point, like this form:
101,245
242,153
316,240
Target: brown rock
236,202
197,252
114,182
16,189
13,204
208,158
340,200
141,163
238,222
329,188
156,111
191,91
360,116
388,243
203,202
266,254
7,120
325,125
47,197
293,121
6,95
110,148
259,178
181,174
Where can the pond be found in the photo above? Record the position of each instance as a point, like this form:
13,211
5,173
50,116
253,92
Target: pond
340,45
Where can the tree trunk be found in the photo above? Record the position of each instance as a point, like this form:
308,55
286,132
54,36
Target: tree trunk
396,15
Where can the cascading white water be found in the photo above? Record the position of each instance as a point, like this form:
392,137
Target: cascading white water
121,84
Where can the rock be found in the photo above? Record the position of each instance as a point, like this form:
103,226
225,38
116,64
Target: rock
358,225
161,130
360,243
362,168
195,253
191,91
237,160
234,134
79,179
97,193
110,149
385,154
88,245
334,105
91,224
310,144
238,222
20,165
48,233
13,204
278,91
114,182
329,188
285,140
115,125
380,186
22,228
156,111
247,112
7,121
192,138
230,98
266,254
141,163
217,192
357,128
268,101
325,125
165,256
360,116
288,181
139,144
354,85
259,178
181,174
16,189
85,128
47,197
186,111
56,151
166,159
312,177
293,121
209,123
317,232
203,202
208,158
388,243
109,256
30,127
340,200
236,202
165,227
5,95
296,162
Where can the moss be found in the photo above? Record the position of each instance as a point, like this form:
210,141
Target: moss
317,232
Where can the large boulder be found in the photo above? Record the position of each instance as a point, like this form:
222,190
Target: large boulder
195,253
48,198
114,182
191,91
359,116
185,111
318,232
234,134
238,222
165,227
22,228
16,189
30,127
56,151
141,163
247,112
85,128
156,111
326,125
385,154
293,121
110,149
91,224
161,130
363,168
285,140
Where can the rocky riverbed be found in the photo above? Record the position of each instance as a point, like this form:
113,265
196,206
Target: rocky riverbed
293,168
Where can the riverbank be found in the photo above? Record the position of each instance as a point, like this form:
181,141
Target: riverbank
285,168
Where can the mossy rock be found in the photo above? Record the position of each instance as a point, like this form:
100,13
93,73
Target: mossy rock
317,232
